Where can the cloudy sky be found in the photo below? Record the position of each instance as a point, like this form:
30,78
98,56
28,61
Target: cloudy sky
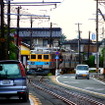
66,15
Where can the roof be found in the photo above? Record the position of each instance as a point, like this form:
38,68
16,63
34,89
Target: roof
9,61
25,50
25,44
82,41
39,32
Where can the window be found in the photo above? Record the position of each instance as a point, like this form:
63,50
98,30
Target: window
10,71
33,56
82,68
39,56
46,56
45,42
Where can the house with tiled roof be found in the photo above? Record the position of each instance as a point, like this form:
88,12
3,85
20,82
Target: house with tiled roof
29,38
40,36
87,47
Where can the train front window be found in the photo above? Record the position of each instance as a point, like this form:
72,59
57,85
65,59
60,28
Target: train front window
33,56
46,56
39,56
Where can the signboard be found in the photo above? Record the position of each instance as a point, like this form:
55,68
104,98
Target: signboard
57,53
57,57
93,36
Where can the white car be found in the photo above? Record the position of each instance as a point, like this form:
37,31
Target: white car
82,70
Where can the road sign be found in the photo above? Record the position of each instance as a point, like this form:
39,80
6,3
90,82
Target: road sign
57,57
57,53
93,36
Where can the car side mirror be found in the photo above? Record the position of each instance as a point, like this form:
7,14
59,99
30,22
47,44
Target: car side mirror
1,68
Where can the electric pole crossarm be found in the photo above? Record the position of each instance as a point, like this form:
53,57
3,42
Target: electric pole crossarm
101,14
33,2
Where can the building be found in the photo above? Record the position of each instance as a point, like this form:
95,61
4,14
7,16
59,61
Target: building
29,38
24,52
43,37
83,46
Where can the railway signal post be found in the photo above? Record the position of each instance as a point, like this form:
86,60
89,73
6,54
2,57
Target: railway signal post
57,71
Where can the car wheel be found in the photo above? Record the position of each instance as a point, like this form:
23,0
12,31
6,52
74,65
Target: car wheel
25,97
75,77
88,78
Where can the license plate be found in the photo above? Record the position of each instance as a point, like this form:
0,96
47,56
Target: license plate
83,74
6,82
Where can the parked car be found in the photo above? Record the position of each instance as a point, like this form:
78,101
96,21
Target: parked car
13,81
82,70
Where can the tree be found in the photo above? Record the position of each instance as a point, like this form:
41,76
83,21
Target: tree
8,50
91,61
62,39
13,51
102,57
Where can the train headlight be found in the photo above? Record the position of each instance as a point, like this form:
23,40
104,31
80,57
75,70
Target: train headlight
46,63
32,63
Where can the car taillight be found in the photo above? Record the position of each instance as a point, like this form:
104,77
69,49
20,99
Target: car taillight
22,69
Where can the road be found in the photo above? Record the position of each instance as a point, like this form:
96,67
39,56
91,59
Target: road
92,85
12,101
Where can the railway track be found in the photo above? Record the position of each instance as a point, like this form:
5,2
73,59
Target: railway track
67,95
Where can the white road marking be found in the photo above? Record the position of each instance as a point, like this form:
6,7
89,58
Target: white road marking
31,101
96,93
92,88
64,77
99,81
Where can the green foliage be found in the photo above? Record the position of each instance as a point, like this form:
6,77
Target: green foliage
63,37
91,61
102,57
102,52
8,50
13,51
101,61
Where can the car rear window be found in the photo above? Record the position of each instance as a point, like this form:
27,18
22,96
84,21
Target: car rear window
9,71
82,67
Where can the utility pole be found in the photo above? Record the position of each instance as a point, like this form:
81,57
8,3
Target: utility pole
88,46
79,38
17,41
103,33
31,33
104,59
2,40
8,34
50,41
97,52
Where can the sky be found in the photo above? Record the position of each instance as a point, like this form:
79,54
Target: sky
66,16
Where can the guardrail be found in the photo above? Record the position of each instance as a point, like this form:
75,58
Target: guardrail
101,70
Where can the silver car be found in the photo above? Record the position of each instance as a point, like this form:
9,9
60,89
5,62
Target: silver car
82,70
13,80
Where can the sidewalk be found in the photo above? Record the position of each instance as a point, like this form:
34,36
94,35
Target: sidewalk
100,77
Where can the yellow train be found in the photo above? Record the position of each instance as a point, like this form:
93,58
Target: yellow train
45,61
